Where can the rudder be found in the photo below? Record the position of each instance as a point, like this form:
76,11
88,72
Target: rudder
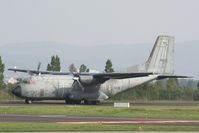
161,59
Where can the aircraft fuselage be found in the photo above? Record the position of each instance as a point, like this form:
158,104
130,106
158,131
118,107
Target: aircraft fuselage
63,87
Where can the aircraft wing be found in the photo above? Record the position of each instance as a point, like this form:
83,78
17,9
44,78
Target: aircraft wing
120,75
95,75
101,75
38,72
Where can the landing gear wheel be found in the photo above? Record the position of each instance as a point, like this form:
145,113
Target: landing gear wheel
77,101
84,101
28,101
95,102
66,101
70,101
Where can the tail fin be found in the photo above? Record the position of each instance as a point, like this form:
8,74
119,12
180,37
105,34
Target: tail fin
161,59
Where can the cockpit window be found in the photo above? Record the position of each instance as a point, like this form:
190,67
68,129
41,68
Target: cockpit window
26,81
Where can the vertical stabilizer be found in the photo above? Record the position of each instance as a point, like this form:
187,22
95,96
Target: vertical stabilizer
161,59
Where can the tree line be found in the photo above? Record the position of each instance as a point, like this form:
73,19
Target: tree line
55,66
167,89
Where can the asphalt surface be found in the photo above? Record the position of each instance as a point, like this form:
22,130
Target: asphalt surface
54,103
61,119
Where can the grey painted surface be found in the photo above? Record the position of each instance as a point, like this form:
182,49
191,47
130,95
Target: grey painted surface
71,87
161,59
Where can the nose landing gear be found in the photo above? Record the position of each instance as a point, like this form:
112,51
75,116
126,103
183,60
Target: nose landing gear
28,101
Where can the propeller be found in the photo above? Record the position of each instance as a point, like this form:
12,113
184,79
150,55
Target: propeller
38,67
76,79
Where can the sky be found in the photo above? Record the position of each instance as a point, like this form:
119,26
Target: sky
97,22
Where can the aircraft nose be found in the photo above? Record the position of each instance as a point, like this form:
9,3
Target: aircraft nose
17,91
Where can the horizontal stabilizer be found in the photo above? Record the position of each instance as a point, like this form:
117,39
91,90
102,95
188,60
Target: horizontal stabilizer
172,76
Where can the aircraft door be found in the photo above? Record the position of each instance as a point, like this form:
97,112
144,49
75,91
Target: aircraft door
61,90
41,93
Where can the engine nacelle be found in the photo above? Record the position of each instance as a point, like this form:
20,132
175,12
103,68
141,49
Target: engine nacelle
89,80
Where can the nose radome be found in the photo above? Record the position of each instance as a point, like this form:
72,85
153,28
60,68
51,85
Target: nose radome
17,91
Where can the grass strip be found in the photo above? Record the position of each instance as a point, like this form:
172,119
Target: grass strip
31,127
175,112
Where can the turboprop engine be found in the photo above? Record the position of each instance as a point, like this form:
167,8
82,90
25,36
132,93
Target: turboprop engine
89,80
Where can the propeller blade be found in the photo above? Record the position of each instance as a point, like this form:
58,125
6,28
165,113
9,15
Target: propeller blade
80,85
76,79
38,67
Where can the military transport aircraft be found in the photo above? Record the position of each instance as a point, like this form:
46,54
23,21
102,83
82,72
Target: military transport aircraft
93,87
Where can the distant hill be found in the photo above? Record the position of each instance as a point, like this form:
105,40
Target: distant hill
27,55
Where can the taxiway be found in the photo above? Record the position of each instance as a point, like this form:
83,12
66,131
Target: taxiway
61,119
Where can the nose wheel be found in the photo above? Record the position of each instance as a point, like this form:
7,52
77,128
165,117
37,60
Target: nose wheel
28,101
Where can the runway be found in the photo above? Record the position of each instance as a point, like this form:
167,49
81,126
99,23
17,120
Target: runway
61,119
107,103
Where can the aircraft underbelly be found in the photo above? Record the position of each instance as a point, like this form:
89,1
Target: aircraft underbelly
88,95
114,86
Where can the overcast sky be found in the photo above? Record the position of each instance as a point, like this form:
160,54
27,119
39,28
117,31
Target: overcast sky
97,22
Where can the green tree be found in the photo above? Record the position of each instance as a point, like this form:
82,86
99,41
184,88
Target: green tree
82,68
198,85
109,66
72,68
190,83
154,90
2,67
54,64
49,67
87,70
172,88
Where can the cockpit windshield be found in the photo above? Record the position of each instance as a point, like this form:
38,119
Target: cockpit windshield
26,80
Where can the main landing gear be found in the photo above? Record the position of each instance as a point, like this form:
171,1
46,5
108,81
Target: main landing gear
83,101
28,101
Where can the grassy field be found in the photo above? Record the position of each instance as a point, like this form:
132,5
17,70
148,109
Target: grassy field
179,112
31,127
